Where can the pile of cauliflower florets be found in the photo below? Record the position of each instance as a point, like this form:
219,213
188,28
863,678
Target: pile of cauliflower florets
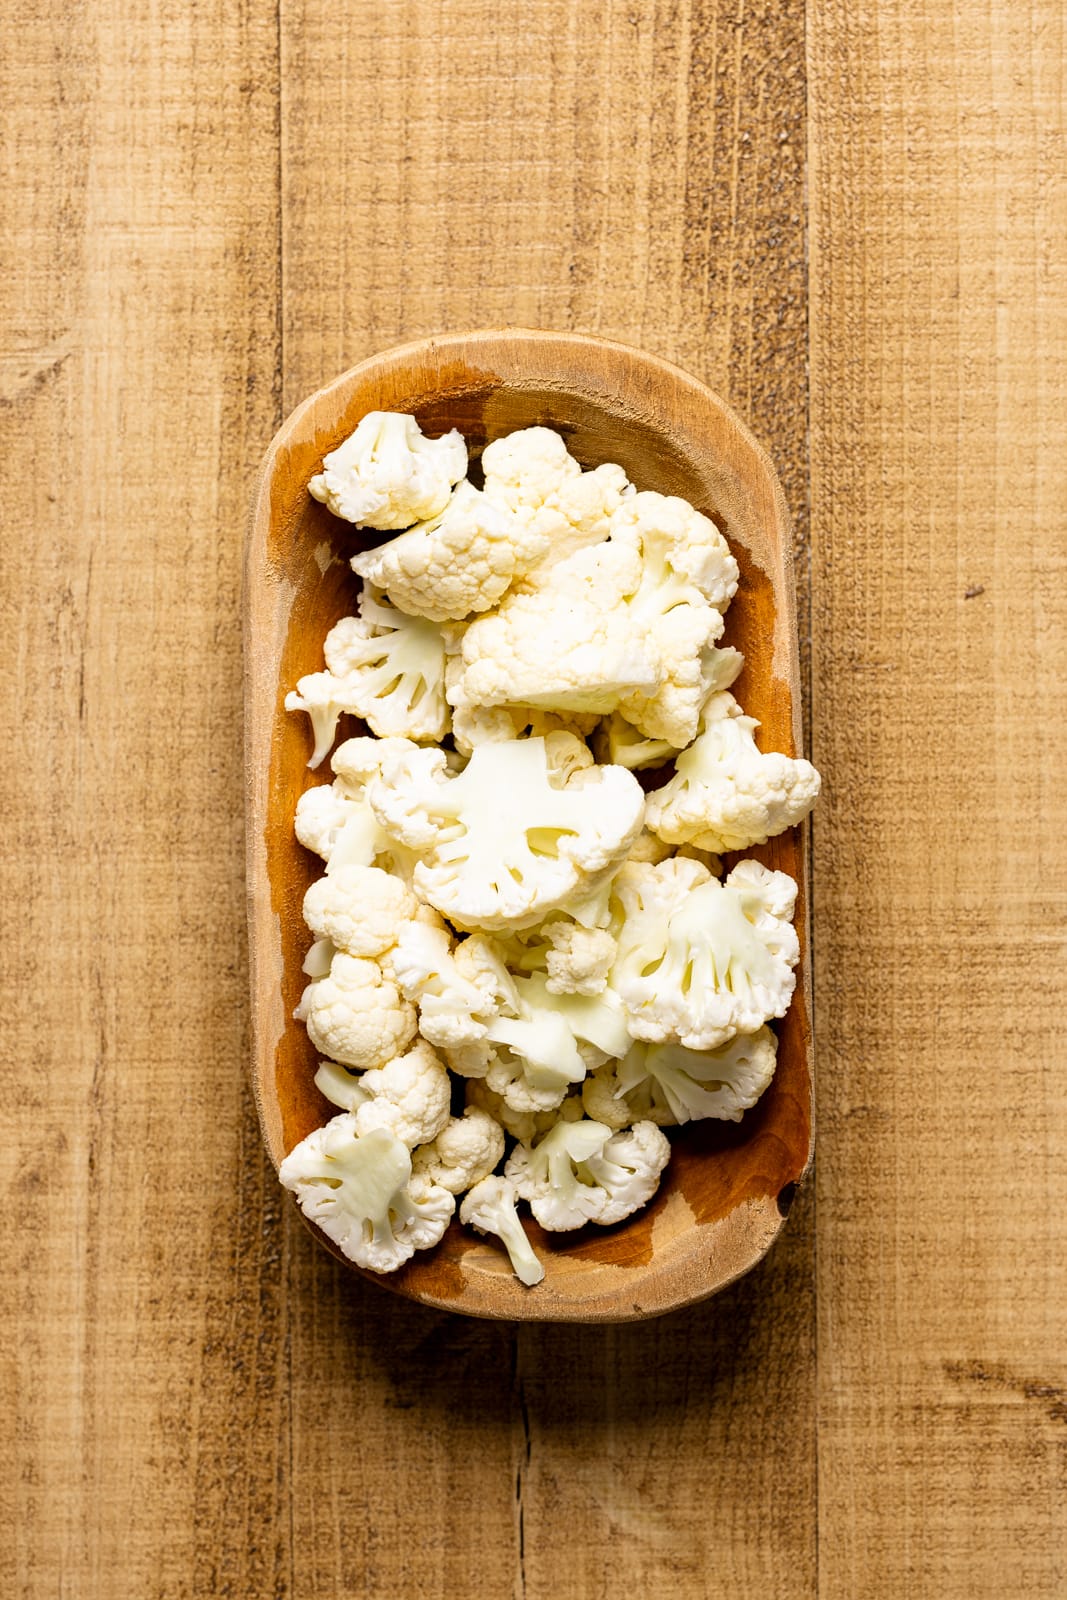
508,926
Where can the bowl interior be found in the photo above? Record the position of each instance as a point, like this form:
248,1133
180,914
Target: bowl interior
728,1185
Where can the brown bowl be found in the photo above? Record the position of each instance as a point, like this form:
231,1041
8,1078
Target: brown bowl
728,1185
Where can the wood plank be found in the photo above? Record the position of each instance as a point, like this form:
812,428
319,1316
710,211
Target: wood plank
634,171
939,464
141,1331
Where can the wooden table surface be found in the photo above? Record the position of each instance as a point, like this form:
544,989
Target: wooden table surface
850,220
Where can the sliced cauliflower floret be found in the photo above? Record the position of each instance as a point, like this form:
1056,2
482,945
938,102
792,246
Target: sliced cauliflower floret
568,645
506,842
628,1168
360,1190
669,1084
464,1152
360,909
410,1096
727,794
355,1014
688,578
388,474
460,561
490,1207
339,1086
553,1175
700,961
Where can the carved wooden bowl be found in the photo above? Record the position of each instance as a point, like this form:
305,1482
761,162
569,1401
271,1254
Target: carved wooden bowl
728,1185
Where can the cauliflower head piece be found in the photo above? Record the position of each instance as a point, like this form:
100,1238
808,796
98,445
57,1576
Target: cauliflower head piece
359,909
726,793
553,1175
513,836
355,1014
668,1084
460,561
698,960
388,474
360,1190
409,1095
464,1152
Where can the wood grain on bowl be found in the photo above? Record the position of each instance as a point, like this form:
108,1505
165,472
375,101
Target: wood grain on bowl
725,1192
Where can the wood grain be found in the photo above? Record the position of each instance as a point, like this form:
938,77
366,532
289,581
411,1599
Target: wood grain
209,211
939,481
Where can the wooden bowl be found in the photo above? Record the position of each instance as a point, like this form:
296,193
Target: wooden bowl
728,1185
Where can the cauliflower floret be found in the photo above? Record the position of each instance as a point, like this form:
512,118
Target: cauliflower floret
554,1177
523,1125
649,847
339,1086
533,474
356,1015
700,961
579,959
464,1152
628,1168
603,1099
568,645
388,475
460,561
410,1096
361,909
475,725
669,1084
453,1009
726,794
620,744
688,578
527,468
361,1192
490,1207
502,844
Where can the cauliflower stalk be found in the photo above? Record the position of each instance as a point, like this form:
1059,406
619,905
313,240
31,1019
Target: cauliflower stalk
388,474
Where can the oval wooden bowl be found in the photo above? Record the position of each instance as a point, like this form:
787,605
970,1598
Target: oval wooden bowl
728,1185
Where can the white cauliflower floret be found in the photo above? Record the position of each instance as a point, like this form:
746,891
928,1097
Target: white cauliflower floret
490,1207
523,1125
700,960
460,561
553,1175
464,1152
453,1010
361,909
628,1168
355,1014
321,813
502,844
339,1086
533,474
726,794
361,1192
527,468
410,1096
619,743
649,847
688,578
579,959
669,1084
383,666
475,725
603,1099
568,645
397,663
388,475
